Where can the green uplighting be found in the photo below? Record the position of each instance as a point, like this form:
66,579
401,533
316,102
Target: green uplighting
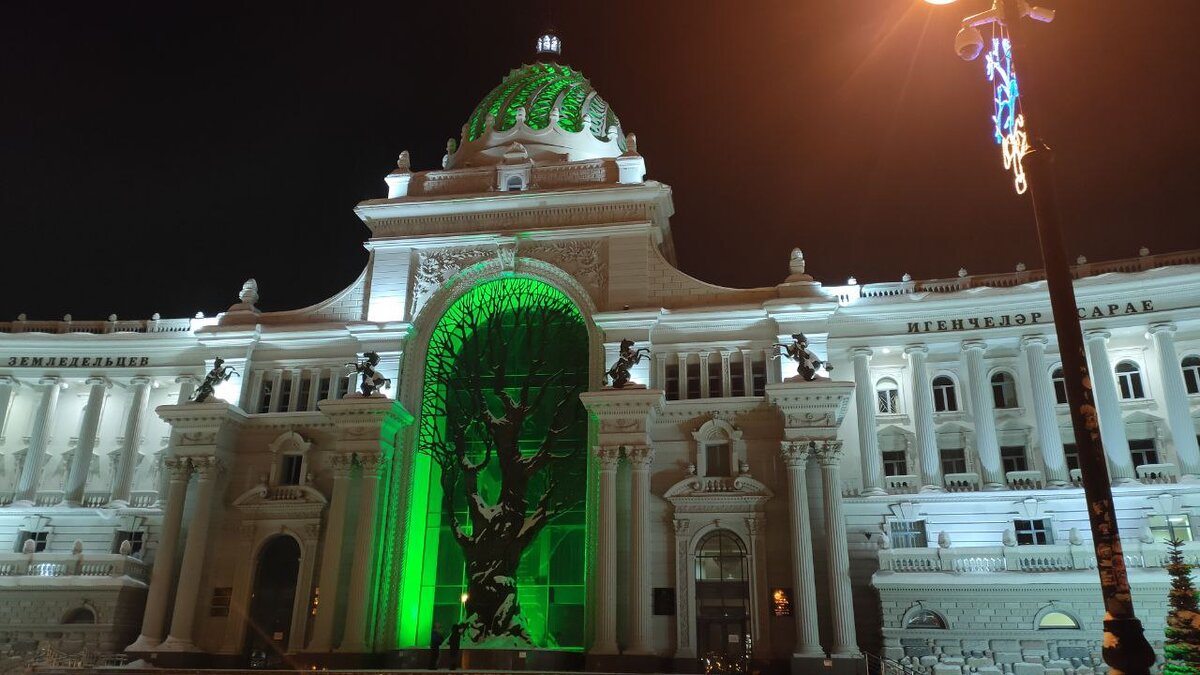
552,576
539,89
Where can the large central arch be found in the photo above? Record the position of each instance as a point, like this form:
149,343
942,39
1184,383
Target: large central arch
525,339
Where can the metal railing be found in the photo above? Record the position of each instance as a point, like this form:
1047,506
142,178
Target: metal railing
1027,558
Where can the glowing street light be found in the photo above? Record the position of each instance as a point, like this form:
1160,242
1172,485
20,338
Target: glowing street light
1027,156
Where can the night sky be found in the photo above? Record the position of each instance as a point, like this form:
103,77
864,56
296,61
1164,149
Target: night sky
155,155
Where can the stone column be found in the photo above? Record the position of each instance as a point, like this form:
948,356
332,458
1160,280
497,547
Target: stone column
184,616
7,386
841,598
43,422
804,593
1108,407
1175,397
640,458
605,640
162,575
868,432
133,438
356,638
78,473
187,387
623,417
979,388
1053,457
927,449
331,554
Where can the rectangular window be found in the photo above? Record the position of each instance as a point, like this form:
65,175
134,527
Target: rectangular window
894,463
717,461
1072,453
1033,532
266,393
954,460
134,538
285,392
944,398
322,386
1013,458
758,378
304,393
1060,391
907,533
888,401
671,381
714,377
693,380
39,540
220,601
1166,528
737,381
1143,451
290,470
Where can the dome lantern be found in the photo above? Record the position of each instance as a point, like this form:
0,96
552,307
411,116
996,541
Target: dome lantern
549,44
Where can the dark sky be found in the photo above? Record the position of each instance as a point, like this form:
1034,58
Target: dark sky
155,155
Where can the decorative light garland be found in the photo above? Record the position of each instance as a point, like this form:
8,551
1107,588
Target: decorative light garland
1008,122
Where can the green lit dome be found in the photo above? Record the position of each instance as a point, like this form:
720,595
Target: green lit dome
550,109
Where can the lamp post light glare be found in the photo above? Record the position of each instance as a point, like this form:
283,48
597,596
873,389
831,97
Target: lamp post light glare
1027,156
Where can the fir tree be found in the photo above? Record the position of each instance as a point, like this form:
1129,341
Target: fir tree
1182,649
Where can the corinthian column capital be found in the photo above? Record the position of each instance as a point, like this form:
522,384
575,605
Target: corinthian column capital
640,456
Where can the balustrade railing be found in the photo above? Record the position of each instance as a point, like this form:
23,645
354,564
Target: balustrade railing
72,565
1030,558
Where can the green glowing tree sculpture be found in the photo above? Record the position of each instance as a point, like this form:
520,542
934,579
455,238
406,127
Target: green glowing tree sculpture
503,379
1182,649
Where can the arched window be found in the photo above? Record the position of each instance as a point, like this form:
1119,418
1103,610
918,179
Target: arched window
720,556
1054,620
887,396
1004,390
945,398
80,615
515,183
1060,386
926,619
1129,379
1191,374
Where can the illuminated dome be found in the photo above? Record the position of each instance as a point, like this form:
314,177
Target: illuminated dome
550,109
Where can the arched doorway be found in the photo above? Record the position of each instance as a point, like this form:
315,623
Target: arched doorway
722,596
270,618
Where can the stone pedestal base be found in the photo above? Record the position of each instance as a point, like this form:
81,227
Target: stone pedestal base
828,665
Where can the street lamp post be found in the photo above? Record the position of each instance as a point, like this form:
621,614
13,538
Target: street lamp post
1125,648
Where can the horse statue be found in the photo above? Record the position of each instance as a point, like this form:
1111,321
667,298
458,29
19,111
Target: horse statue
372,381
627,358
807,363
220,373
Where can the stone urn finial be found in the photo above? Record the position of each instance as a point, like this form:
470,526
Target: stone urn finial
249,293
944,539
126,547
29,547
1010,537
77,547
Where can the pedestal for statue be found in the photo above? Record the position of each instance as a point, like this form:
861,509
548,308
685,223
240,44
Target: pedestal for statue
623,418
812,412
202,434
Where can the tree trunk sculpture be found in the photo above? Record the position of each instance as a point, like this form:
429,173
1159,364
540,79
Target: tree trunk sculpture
504,377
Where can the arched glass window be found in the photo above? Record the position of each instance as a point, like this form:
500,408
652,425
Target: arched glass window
515,183
1060,386
721,557
945,398
1191,374
1129,379
1057,621
926,619
887,396
1004,390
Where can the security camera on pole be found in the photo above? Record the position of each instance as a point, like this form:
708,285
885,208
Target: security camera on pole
1024,153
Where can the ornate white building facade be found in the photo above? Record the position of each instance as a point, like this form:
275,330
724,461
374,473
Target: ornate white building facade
921,502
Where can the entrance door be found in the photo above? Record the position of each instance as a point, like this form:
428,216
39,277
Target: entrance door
722,597
270,617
